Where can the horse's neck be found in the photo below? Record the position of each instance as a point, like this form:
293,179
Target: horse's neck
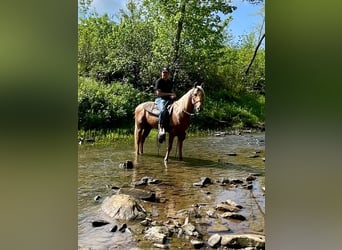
185,102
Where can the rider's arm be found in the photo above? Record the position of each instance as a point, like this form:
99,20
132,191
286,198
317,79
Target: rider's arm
159,93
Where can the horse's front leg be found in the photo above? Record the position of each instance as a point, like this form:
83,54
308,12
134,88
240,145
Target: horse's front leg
171,137
181,138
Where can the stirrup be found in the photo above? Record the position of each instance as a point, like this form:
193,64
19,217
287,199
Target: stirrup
161,135
161,138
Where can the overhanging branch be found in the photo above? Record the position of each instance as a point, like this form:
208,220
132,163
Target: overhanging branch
255,52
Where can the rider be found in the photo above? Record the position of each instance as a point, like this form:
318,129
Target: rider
163,89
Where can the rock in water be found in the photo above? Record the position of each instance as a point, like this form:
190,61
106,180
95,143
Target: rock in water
243,241
214,240
123,207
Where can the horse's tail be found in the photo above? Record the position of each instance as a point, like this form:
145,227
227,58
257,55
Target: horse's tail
136,133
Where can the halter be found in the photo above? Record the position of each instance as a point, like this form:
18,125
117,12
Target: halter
193,103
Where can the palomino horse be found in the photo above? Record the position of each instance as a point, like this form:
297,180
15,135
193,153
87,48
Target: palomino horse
182,110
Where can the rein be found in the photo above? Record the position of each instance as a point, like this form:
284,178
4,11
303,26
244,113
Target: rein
186,112
193,103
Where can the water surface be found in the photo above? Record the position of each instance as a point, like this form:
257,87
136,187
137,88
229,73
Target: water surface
98,168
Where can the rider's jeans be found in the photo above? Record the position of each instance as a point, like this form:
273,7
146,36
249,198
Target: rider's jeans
161,106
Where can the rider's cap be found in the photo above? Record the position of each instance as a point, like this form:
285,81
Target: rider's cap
165,70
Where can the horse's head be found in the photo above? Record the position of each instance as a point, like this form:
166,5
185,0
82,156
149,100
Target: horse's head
197,98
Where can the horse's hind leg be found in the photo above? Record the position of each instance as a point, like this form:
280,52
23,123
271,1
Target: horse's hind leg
143,137
137,137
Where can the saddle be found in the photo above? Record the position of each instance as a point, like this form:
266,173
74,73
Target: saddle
152,108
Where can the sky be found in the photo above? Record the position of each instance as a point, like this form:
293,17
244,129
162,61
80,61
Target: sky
246,17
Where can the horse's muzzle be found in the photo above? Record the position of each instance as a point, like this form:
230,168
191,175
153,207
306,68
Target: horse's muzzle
197,110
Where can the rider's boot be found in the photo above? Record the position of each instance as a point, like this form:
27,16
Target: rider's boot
161,134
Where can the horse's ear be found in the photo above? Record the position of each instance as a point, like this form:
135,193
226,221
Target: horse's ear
197,84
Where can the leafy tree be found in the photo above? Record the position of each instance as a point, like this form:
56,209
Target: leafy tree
94,45
119,60
189,35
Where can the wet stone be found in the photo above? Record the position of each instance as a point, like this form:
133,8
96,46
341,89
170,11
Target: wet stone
243,241
234,216
223,181
226,207
112,187
123,207
189,229
197,243
97,198
204,181
145,223
255,174
123,227
248,186
139,194
211,213
156,234
99,223
139,183
250,178
232,203
183,213
214,240
114,228
126,165
236,181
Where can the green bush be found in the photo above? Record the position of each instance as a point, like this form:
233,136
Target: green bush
245,111
103,106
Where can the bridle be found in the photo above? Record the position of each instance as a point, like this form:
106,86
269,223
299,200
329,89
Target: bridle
193,102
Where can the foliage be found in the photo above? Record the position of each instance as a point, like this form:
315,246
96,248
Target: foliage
119,61
106,105
242,111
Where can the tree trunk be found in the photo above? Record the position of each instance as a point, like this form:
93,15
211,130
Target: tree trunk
255,52
176,47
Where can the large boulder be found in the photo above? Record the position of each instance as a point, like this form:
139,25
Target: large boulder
243,241
123,207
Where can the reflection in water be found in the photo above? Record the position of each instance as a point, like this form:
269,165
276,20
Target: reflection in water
203,157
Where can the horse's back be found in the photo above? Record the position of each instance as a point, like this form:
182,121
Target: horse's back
144,112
